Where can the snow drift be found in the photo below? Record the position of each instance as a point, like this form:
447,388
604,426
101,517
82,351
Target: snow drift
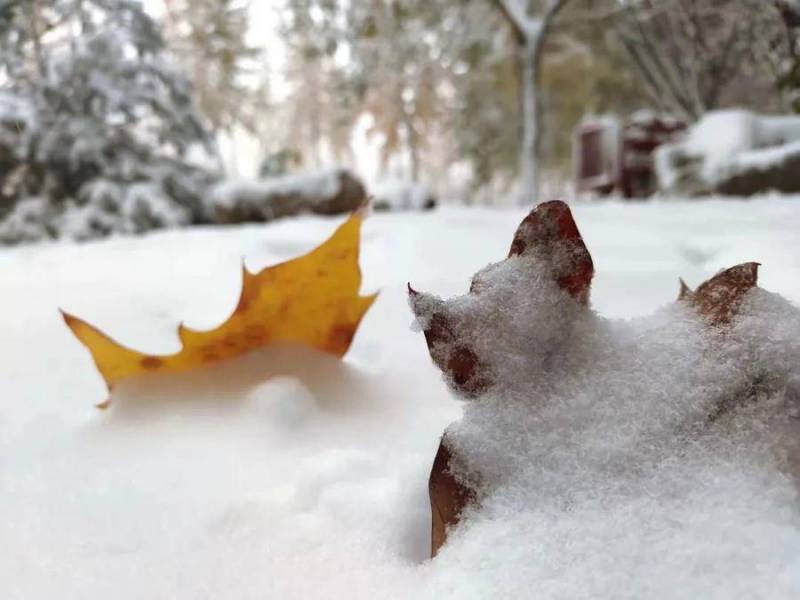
294,476
325,192
399,195
733,152
686,422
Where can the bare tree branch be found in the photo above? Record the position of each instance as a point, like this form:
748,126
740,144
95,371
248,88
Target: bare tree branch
687,53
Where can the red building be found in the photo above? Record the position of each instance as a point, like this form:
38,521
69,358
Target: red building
614,157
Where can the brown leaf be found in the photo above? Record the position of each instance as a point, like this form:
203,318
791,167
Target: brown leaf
719,298
449,497
550,233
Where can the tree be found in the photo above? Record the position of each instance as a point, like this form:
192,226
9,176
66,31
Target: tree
530,22
210,38
481,109
396,61
585,72
321,105
96,119
782,51
688,53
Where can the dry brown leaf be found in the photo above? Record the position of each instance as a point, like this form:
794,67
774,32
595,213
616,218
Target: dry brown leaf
550,232
719,298
312,300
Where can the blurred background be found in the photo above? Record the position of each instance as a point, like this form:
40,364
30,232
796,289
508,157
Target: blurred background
118,116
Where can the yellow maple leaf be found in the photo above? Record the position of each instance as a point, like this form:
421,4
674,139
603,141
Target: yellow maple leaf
313,300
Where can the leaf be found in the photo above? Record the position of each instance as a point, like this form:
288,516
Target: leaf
719,298
449,496
312,300
550,233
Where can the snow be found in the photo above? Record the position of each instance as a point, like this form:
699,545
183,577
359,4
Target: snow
727,142
256,196
314,184
26,222
105,208
764,158
108,119
593,420
17,118
227,483
397,194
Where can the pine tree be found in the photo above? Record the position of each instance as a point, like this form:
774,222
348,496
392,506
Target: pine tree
101,126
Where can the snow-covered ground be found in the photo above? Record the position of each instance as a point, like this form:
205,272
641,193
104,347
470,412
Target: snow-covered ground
312,483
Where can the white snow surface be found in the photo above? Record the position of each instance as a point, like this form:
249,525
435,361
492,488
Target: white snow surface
727,142
288,474
398,194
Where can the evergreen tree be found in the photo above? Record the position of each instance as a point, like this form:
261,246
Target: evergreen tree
96,122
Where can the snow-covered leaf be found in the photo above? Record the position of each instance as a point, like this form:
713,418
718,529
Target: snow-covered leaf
693,406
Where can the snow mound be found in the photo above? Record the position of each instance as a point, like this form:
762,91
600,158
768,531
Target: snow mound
394,195
313,483
592,429
329,191
725,144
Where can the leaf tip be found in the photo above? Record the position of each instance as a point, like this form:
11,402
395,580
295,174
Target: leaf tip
75,324
685,292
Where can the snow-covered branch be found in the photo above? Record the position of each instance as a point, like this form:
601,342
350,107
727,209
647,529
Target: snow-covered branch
528,25
530,31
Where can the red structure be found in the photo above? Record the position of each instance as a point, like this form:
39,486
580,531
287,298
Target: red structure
614,157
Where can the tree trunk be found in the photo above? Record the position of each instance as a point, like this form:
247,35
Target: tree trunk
529,33
35,26
413,145
529,168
